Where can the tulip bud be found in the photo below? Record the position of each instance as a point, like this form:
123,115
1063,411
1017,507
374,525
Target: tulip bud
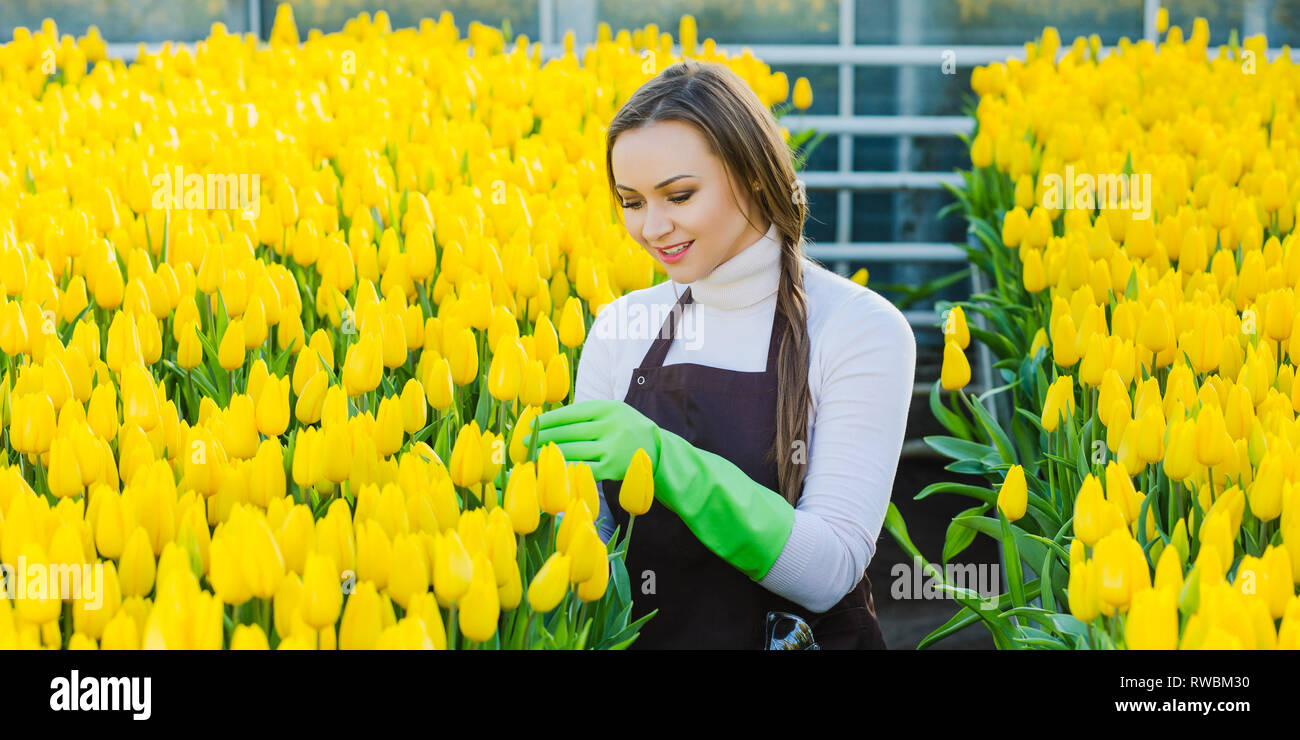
137,565
636,493
467,456
550,584
955,373
572,330
363,366
414,408
452,568
480,607
438,385
955,329
272,414
1013,494
557,378
231,352
362,619
506,371
409,575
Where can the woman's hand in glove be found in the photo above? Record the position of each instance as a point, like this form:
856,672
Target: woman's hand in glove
604,434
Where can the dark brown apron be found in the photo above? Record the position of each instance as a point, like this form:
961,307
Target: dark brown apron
704,601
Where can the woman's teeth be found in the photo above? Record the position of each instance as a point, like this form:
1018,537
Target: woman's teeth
678,250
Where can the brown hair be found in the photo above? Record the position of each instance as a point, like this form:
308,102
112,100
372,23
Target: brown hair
742,132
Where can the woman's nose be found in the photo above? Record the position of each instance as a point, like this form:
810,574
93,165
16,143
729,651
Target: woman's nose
656,226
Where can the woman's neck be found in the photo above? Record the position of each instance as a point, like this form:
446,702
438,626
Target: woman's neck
745,279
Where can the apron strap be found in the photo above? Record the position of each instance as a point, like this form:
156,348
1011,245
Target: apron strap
774,343
654,357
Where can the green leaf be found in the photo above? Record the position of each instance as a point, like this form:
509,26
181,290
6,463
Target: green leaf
983,494
198,378
996,342
953,422
1040,639
967,467
281,361
1002,629
66,335
209,346
960,537
1025,446
484,407
1015,575
621,584
992,429
1056,547
1031,550
958,449
897,527
1070,625
967,616
1131,289
1045,576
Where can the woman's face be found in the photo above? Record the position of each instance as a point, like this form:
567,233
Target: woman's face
676,192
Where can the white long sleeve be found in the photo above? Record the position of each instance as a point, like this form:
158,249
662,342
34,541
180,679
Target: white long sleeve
861,370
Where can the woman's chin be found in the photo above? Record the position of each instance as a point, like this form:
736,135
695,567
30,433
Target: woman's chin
680,274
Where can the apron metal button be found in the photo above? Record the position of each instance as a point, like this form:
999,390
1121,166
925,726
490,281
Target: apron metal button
640,380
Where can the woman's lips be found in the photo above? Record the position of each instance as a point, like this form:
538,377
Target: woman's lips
671,258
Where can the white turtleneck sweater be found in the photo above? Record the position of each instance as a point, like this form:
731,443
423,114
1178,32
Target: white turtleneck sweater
862,365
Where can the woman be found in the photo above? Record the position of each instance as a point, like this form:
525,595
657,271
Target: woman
775,421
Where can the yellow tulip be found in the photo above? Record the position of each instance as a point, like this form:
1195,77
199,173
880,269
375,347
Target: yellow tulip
572,330
480,607
231,352
467,456
955,373
363,367
550,584
1013,495
803,96
636,493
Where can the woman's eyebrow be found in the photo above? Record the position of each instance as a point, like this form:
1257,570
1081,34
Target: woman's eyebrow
669,181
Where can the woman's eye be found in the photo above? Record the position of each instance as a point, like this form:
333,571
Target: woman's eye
678,199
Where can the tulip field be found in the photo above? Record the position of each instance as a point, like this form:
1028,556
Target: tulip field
275,319
277,315
1144,487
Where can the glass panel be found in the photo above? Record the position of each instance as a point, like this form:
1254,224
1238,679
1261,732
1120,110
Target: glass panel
733,21
825,156
150,21
875,91
927,154
330,15
1018,21
1282,19
824,80
822,212
878,91
875,154
938,154
889,278
906,216
876,21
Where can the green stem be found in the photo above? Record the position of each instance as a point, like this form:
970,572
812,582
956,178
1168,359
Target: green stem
451,628
525,643
627,539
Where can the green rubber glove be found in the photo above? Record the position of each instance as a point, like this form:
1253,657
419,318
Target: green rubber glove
604,434
739,520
